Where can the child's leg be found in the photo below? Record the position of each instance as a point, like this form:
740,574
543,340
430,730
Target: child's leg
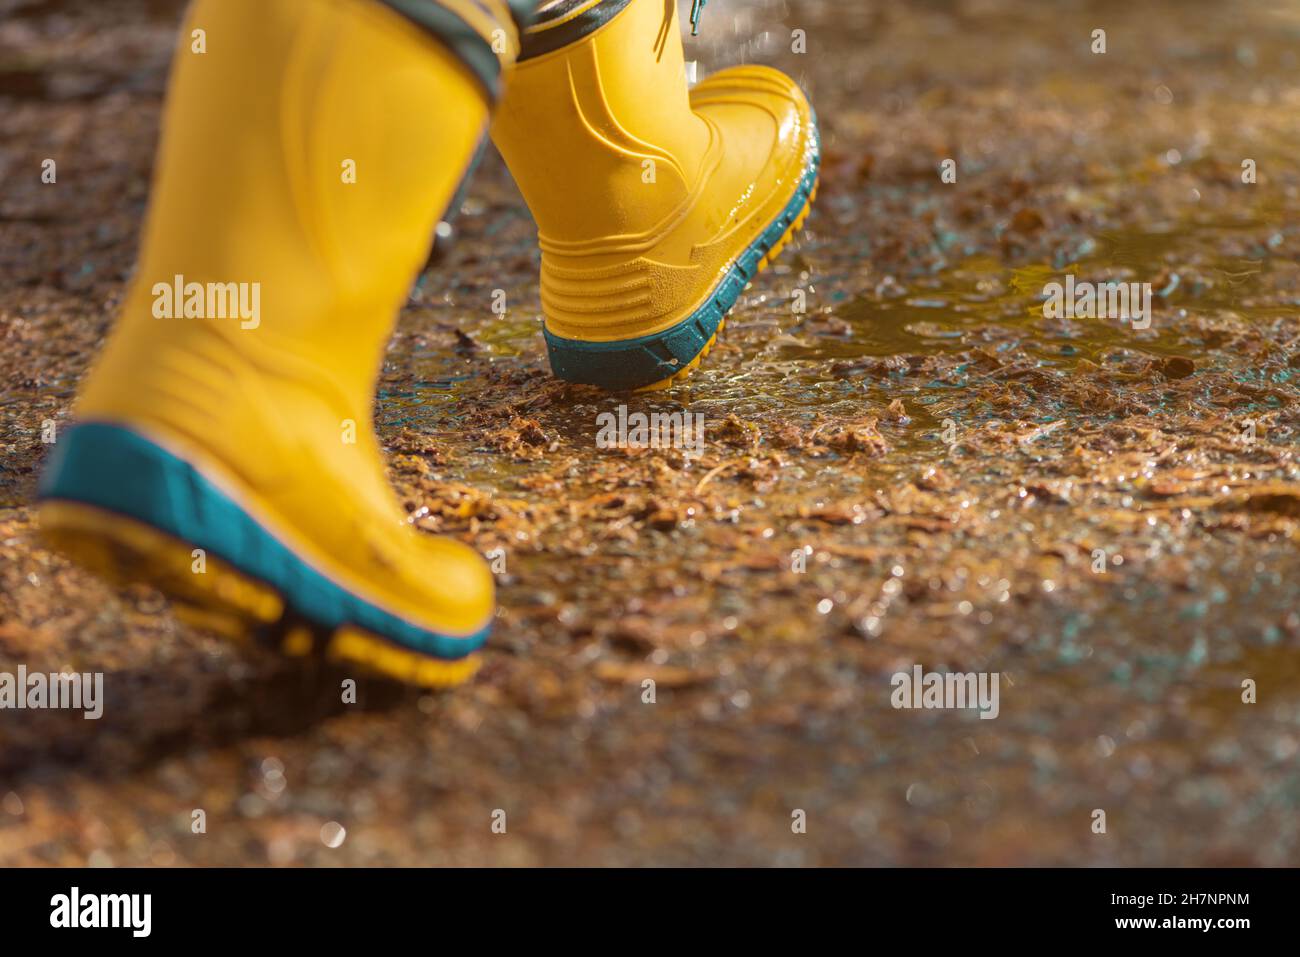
224,445
655,205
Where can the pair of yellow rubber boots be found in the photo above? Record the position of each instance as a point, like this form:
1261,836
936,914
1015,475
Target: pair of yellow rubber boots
224,446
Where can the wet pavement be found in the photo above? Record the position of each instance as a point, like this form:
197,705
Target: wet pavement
905,462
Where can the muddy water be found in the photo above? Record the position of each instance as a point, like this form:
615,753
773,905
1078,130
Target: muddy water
1105,516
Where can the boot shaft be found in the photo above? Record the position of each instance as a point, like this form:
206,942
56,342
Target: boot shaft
305,156
599,133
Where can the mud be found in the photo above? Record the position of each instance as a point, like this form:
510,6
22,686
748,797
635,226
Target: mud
1106,516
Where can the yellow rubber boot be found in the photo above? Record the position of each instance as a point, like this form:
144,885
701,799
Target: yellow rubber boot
654,206
224,446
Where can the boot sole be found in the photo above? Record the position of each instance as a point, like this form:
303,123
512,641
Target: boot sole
768,258
285,604
640,364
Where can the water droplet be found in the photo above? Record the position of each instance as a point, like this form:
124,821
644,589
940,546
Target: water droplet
333,834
